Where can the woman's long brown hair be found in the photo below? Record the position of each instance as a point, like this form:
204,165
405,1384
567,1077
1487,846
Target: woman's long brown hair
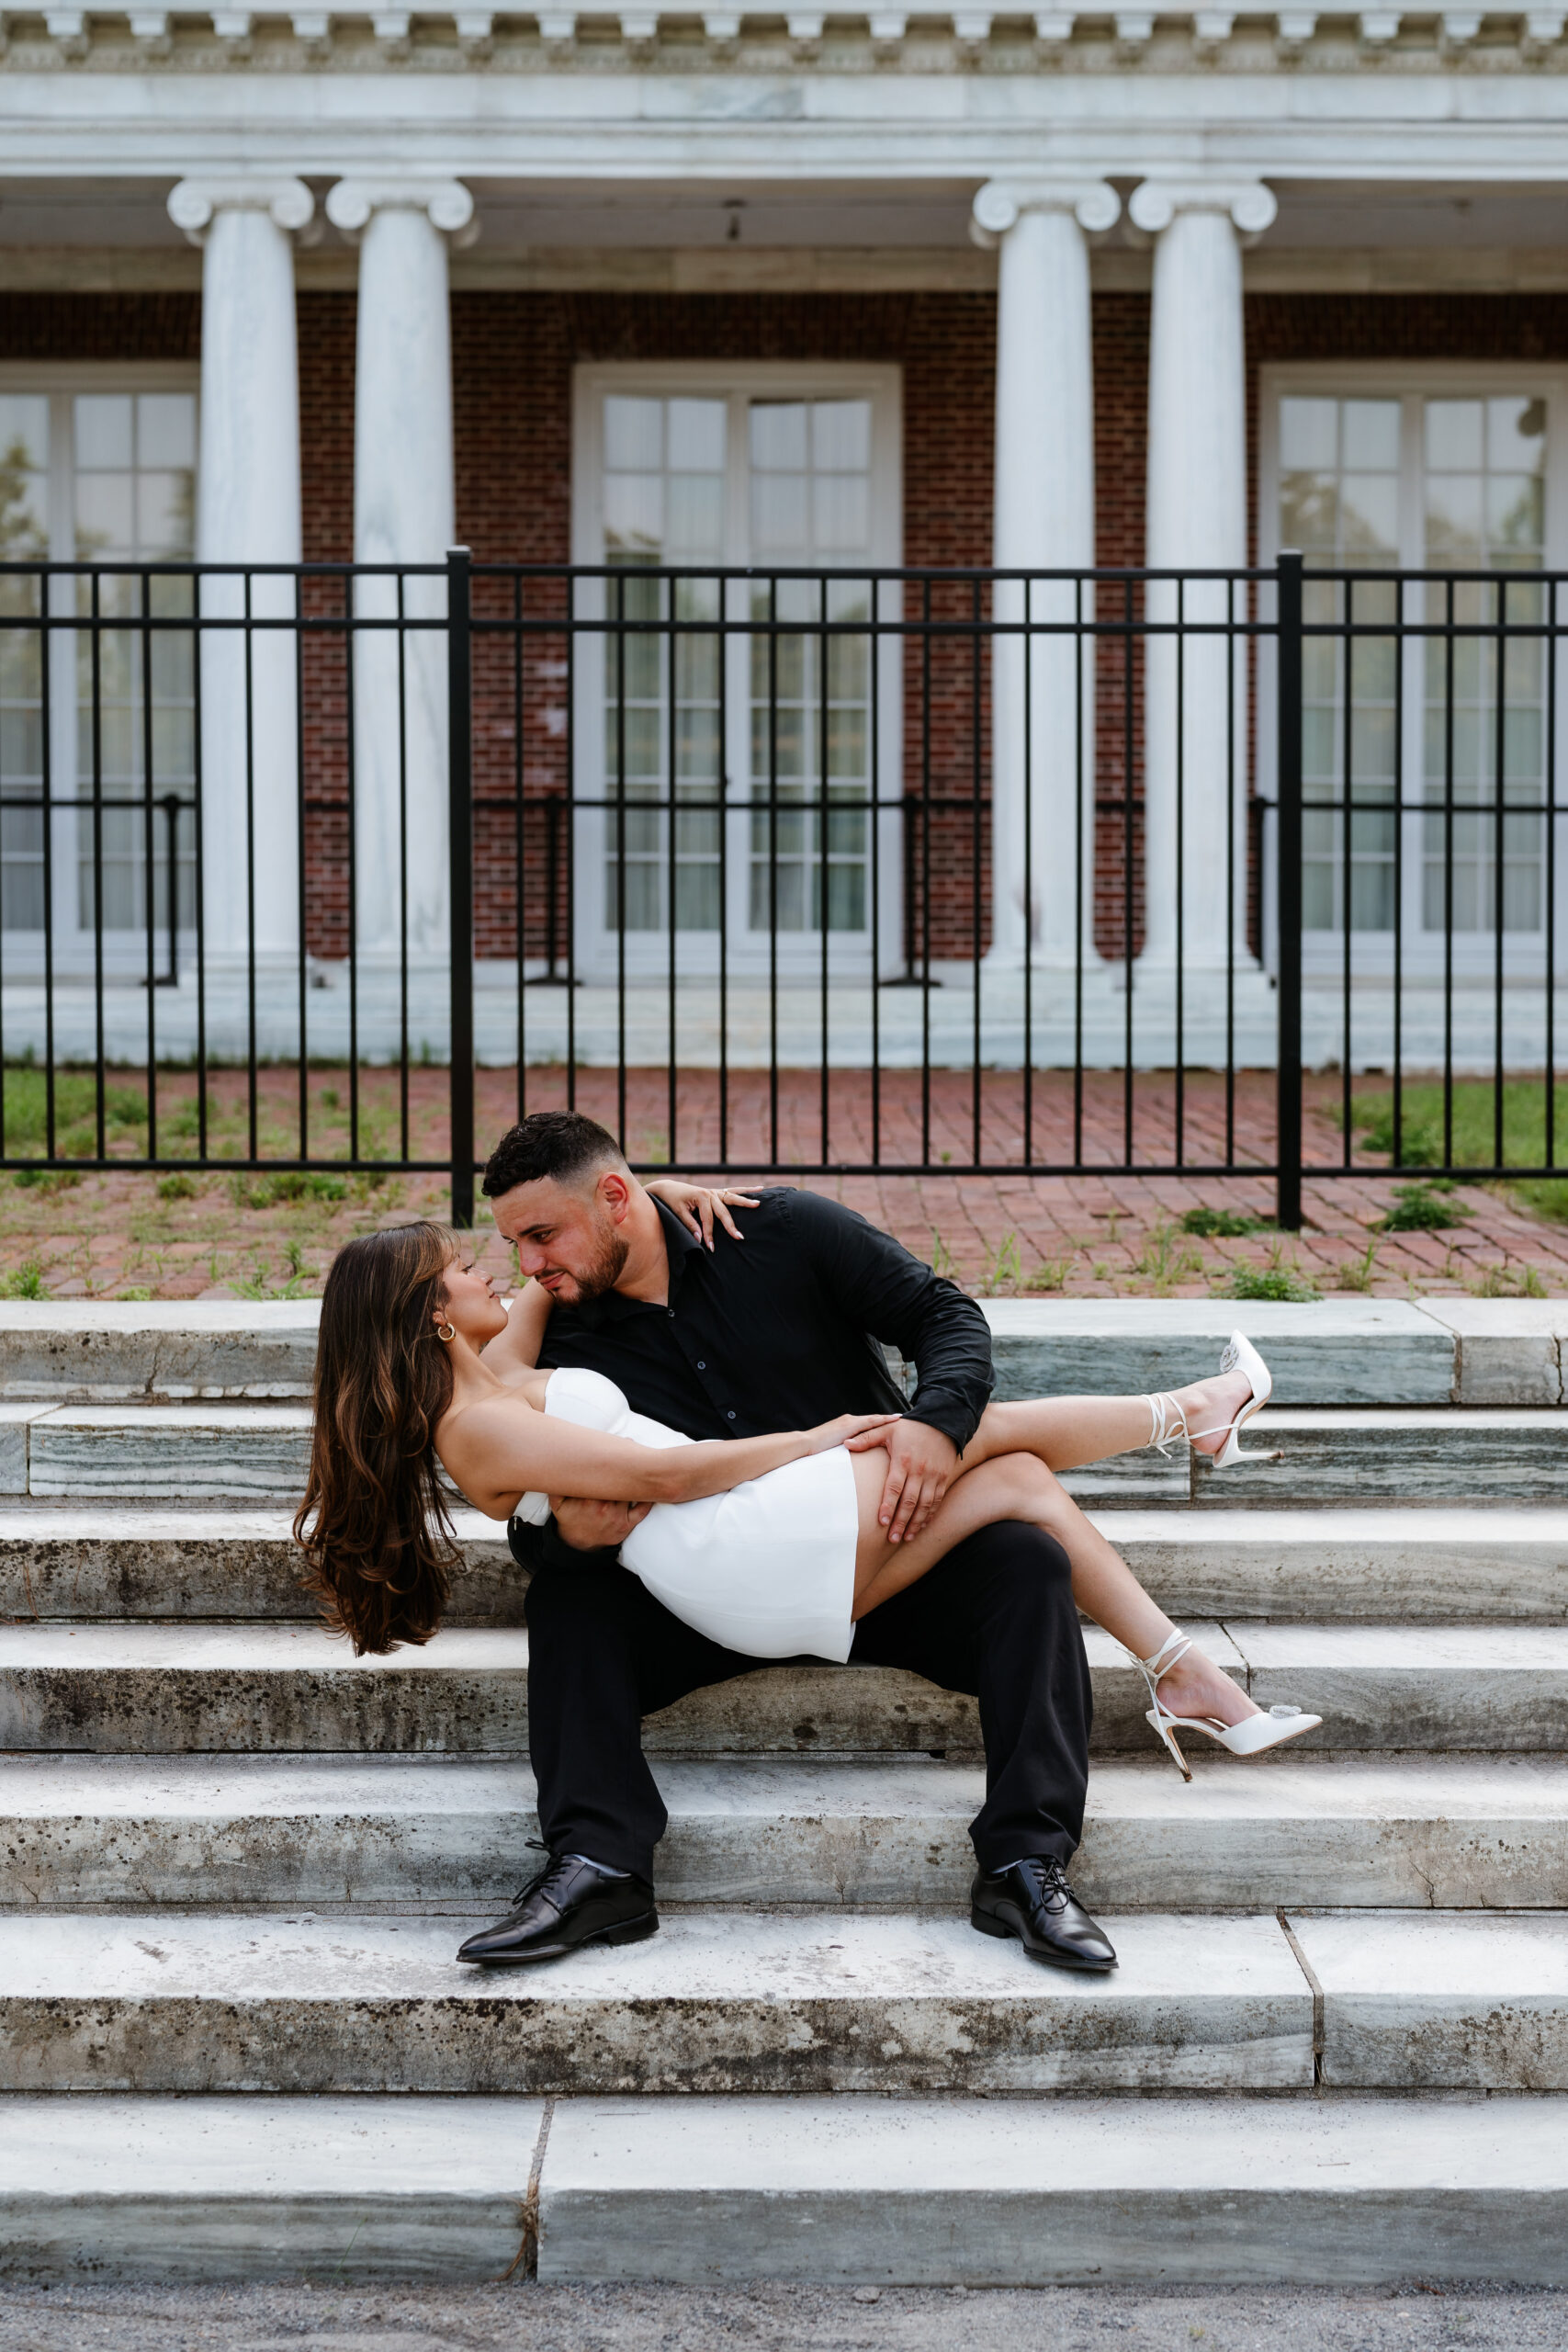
374,1527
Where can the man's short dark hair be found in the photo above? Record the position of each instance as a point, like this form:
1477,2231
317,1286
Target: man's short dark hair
558,1144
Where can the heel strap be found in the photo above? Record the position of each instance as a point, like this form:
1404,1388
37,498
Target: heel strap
1171,1651
1167,1424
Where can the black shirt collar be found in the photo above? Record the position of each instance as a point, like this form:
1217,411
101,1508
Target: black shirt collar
612,1308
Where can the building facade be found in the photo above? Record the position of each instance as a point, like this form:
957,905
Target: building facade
907,289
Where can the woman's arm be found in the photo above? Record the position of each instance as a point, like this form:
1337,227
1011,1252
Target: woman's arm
516,1352
504,1448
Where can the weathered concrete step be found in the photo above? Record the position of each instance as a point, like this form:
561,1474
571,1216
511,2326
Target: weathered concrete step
1395,1454
1442,2000
138,1688
1375,1351
1340,2191
1025,2192
1443,1565
150,2001
350,1832
193,2189
174,1562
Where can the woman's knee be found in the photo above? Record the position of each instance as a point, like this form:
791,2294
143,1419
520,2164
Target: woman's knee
1028,1489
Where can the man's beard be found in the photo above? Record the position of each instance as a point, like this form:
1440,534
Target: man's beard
603,1274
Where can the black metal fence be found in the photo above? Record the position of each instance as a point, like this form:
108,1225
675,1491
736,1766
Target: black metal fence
327,871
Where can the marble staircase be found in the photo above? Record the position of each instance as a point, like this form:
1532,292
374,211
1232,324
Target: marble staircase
237,1863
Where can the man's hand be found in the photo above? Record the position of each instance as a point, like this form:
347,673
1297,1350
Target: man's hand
920,1463
595,1527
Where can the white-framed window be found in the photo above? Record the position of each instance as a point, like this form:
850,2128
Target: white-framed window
737,465
98,463
1369,467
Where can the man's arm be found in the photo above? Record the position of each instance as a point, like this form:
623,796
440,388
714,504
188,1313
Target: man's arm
890,1294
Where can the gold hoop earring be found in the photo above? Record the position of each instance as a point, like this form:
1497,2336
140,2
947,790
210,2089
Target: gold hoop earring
446,1332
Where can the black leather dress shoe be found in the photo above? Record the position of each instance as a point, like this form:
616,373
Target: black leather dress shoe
1033,1901
569,1905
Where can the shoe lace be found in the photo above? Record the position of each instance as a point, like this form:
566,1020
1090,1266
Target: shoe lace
1049,1878
557,1865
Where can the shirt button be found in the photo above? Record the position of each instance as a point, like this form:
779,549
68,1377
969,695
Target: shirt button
670,1312
730,1416
701,1365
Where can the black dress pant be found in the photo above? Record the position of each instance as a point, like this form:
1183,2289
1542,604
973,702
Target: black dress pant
994,1618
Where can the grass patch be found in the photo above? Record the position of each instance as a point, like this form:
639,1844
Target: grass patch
25,1282
1164,1261
1220,1224
288,1184
1051,1273
1423,1208
1474,1131
1359,1277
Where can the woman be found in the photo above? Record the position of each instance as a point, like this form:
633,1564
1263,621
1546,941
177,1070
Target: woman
772,1545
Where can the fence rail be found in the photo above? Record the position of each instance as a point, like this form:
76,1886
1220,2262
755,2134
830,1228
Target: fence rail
315,871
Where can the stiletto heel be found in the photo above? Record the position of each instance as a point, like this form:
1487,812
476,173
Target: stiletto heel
1254,1737
1242,1356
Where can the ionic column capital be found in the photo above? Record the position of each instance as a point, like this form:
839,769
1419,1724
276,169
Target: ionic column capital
1248,204
1002,204
196,203
446,204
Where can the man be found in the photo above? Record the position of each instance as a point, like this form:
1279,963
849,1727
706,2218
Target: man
779,1332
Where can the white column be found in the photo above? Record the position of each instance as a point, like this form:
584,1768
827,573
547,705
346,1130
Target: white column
1043,688
403,513
1196,520
248,513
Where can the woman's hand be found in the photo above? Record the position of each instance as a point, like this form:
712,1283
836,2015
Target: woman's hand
697,1205
856,1432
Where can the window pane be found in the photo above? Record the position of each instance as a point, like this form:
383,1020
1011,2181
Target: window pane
1454,435
166,429
778,436
840,437
105,516
104,435
634,434
24,475
165,513
1372,436
1309,433
696,436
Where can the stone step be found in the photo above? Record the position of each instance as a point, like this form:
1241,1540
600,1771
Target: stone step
193,2190
1395,1454
239,1453
1445,1565
139,1688
1343,1350
827,2001
248,1453
1240,2190
1029,2192
1443,1833
173,1561
782,2003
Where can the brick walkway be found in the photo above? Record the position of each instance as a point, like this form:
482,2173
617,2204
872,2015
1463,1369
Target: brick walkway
1105,1233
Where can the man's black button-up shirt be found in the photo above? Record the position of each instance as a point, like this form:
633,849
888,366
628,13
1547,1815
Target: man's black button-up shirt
780,1331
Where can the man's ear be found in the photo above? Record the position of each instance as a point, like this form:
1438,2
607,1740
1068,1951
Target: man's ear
614,1188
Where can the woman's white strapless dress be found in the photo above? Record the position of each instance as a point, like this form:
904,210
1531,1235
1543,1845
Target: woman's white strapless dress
767,1569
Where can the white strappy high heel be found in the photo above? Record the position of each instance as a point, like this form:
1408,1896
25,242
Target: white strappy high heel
1168,1423
1255,1737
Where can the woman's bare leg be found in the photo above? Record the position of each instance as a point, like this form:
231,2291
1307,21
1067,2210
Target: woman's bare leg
1065,1431
1016,1484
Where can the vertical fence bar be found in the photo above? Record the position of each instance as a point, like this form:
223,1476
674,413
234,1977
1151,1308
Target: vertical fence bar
1287,856
461,857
